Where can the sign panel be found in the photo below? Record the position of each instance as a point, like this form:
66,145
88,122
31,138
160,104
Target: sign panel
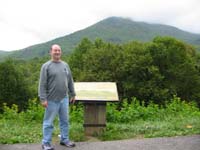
96,91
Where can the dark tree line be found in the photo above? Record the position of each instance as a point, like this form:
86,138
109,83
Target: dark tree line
152,71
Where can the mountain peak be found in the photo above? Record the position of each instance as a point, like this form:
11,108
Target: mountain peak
114,18
112,29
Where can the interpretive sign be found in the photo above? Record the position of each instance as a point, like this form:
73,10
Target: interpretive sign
96,91
94,95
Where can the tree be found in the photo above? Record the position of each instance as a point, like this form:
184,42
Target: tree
177,63
153,71
76,58
140,78
13,88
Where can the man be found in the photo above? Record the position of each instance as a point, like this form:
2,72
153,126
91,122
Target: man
55,84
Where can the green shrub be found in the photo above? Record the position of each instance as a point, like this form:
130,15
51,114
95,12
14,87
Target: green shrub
126,120
178,106
34,112
131,112
10,112
134,111
76,113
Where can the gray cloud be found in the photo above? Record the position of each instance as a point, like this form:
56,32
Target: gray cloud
24,23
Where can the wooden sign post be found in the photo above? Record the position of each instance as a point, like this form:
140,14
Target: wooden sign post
94,95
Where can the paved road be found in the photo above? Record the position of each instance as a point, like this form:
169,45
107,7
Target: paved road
172,143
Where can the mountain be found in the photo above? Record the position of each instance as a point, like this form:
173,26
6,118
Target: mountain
4,54
112,29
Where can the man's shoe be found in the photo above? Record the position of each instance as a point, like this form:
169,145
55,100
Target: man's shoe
47,147
68,144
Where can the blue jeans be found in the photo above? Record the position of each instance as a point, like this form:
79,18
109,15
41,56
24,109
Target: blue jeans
62,109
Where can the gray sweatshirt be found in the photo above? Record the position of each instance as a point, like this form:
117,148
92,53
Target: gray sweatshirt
55,81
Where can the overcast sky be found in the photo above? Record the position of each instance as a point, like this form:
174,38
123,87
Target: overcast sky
27,22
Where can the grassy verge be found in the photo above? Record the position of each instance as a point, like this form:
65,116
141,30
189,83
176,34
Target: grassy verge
21,132
149,129
31,132
133,120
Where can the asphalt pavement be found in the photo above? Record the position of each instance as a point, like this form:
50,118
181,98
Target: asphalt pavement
169,143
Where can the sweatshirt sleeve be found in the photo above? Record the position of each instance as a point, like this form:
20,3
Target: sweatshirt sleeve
71,84
42,89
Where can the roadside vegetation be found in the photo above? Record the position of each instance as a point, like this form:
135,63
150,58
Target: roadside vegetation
133,120
158,84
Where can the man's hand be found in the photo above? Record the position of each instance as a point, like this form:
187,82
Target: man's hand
45,103
72,100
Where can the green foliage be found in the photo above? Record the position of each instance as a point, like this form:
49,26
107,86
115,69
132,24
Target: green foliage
136,120
153,71
177,107
10,112
134,111
76,113
17,131
34,111
139,77
175,126
14,89
177,63
26,126
148,75
132,120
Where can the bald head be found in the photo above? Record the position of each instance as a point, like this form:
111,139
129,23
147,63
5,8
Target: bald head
55,52
55,46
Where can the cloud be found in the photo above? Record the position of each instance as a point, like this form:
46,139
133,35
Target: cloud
27,22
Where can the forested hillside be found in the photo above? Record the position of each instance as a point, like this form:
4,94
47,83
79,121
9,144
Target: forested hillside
113,29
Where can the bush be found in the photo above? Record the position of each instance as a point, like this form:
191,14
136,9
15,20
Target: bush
125,120
10,112
34,112
134,111
76,113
